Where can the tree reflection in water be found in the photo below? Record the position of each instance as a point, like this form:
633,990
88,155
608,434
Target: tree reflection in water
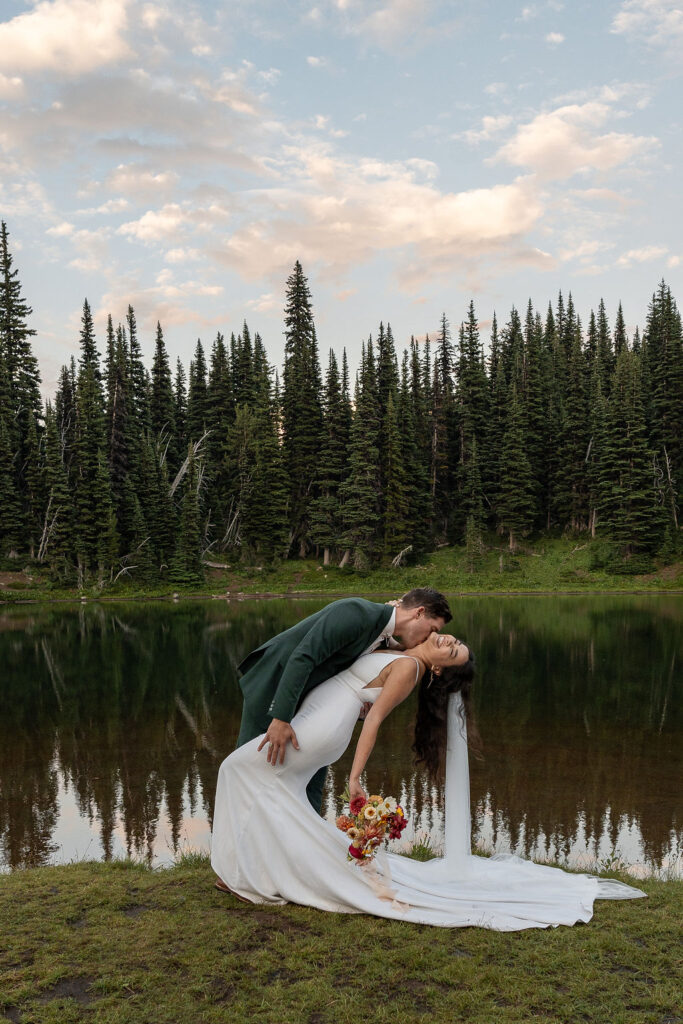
132,707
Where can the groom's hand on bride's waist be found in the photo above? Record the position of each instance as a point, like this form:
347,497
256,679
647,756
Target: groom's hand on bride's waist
277,737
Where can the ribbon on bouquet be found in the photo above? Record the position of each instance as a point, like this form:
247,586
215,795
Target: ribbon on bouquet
380,885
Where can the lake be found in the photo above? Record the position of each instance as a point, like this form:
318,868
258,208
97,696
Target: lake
114,719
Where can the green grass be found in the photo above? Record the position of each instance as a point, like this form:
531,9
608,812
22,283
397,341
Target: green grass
547,565
122,943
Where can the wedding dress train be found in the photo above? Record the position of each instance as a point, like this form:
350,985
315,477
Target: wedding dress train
270,846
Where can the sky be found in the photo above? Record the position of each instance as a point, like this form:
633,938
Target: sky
182,156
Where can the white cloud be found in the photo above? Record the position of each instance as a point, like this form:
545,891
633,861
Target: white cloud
337,213
584,250
383,22
644,255
67,36
673,261
173,220
602,194
155,225
140,182
265,303
270,76
490,126
11,88
182,255
61,230
316,62
561,142
657,22
93,249
554,38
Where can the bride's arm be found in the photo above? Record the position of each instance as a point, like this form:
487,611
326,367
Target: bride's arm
399,683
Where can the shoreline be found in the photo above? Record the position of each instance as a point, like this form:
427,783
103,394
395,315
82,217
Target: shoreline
268,595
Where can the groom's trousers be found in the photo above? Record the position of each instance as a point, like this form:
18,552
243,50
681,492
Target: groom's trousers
254,725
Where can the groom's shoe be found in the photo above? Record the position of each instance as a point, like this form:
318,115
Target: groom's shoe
222,887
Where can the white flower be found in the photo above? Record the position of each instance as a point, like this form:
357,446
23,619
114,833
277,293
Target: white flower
370,812
388,805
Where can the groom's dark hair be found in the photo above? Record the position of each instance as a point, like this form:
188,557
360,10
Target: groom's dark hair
435,604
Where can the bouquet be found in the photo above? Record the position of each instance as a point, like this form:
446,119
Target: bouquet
369,822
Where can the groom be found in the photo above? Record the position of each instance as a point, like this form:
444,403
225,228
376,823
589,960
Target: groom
278,674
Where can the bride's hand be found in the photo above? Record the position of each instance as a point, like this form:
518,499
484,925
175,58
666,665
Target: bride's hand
356,790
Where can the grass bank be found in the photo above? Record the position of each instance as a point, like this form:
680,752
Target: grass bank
551,565
122,943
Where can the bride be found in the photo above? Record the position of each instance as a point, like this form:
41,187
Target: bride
270,846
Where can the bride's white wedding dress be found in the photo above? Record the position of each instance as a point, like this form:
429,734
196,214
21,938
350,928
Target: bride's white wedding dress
270,846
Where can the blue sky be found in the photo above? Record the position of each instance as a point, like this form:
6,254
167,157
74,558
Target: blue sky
182,156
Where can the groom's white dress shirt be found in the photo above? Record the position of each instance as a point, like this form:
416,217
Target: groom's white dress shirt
386,634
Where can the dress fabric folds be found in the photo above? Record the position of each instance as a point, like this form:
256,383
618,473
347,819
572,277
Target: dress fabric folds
270,846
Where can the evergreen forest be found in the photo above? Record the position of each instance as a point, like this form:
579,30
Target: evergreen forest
554,427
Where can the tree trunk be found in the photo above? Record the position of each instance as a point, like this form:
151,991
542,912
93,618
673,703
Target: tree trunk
326,557
345,558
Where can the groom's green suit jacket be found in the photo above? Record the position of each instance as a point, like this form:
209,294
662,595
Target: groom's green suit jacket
278,674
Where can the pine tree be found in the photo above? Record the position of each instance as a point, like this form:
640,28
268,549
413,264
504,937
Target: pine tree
302,419
571,499
139,378
186,565
620,339
360,493
10,505
410,412
23,401
663,370
34,487
604,345
631,512
66,415
444,432
597,416
90,444
556,374
397,525
197,396
180,409
516,490
162,405
326,511
536,373
121,439
57,541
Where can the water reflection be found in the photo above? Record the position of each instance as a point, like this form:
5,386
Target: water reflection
115,718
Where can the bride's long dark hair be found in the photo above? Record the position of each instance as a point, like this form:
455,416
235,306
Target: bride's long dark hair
431,723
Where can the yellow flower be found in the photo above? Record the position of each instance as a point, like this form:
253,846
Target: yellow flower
375,799
353,832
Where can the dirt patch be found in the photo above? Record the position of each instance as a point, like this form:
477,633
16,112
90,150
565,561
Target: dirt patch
77,989
220,991
134,909
667,572
12,1013
15,580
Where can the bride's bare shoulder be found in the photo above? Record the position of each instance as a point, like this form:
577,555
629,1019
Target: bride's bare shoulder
403,666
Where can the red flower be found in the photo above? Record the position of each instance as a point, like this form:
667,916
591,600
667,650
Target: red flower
355,852
357,804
